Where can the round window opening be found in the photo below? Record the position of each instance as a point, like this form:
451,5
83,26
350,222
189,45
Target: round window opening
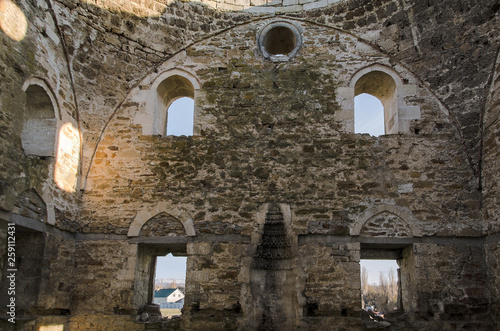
280,41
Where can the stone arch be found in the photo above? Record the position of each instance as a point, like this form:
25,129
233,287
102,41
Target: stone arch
41,117
383,87
46,87
385,84
31,205
386,224
176,72
155,213
376,68
165,89
162,224
393,221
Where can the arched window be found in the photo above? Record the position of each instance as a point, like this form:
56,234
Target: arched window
368,115
175,107
383,87
180,117
394,93
40,124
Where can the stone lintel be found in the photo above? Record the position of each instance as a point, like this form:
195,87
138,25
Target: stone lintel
325,239
32,225
215,238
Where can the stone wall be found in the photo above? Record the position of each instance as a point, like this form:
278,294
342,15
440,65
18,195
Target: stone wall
95,263
273,136
456,285
490,197
492,258
36,60
33,61
290,136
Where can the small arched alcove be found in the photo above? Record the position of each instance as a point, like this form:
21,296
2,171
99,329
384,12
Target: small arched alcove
38,136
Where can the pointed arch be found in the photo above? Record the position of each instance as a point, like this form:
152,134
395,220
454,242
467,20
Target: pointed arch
376,68
145,215
403,217
31,205
386,224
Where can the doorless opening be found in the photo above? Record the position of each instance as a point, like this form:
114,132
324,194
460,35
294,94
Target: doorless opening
170,284
279,41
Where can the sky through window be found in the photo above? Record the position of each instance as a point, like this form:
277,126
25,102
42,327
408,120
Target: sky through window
180,117
368,115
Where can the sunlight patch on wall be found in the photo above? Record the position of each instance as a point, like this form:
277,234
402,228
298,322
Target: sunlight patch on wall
52,327
68,158
12,20
145,9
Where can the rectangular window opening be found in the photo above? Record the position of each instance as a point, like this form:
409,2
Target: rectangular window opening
380,286
170,284
160,266
26,266
378,259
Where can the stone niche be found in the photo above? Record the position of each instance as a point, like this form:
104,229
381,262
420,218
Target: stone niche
274,303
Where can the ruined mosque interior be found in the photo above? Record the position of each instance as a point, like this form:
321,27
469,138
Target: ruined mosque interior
273,195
